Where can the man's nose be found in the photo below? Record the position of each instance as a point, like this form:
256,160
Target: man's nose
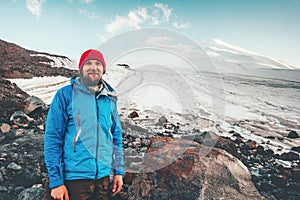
93,66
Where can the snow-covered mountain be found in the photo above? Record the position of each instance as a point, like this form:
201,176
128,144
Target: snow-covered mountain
229,58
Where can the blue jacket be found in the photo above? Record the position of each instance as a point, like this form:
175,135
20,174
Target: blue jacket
83,135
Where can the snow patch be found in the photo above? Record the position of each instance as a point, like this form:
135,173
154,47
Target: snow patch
59,61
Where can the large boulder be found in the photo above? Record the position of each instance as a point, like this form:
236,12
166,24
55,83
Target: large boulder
188,171
11,99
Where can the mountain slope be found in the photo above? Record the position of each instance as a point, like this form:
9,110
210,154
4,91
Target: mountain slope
230,57
18,62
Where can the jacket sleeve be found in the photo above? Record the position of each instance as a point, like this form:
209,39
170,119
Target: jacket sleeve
118,155
53,139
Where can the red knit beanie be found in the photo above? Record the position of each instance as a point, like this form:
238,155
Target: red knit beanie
92,54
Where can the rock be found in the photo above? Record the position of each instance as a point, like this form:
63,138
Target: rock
190,174
3,188
134,114
11,98
31,194
270,137
296,149
32,103
237,135
293,135
260,150
296,174
250,144
20,132
14,167
1,177
21,119
228,145
278,180
41,127
206,138
5,128
290,156
162,120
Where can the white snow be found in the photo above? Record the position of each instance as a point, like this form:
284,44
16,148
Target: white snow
234,48
224,52
59,61
42,87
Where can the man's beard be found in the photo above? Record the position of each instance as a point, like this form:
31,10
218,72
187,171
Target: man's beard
86,80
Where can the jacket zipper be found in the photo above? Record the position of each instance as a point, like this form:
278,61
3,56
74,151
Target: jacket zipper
78,131
97,138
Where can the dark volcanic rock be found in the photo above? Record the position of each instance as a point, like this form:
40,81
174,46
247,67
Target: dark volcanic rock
17,62
290,156
31,194
228,145
133,114
11,99
293,135
296,149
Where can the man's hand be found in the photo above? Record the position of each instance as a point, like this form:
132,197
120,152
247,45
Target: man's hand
117,184
60,193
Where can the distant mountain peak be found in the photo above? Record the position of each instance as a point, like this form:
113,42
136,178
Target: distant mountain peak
230,56
220,43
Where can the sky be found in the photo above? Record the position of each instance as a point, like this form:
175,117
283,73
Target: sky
69,27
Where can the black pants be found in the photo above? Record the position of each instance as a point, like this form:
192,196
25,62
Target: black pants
88,189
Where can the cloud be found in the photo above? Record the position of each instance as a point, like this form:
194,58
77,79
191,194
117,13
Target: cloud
181,25
86,1
133,20
152,15
35,6
89,14
167,12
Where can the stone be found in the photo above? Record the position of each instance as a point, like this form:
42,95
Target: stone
31,194
250,144
32,103
41,127
1,177
133,114
293,135
14,166
3,188
183,169
162,120
5,128
296,149
20,132
228,145
21,119
290,156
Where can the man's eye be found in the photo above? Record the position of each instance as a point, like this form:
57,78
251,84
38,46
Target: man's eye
98,63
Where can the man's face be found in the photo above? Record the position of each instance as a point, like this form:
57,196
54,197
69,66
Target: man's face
91,72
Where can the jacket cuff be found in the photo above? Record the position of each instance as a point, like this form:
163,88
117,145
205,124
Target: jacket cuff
118,172
56,183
